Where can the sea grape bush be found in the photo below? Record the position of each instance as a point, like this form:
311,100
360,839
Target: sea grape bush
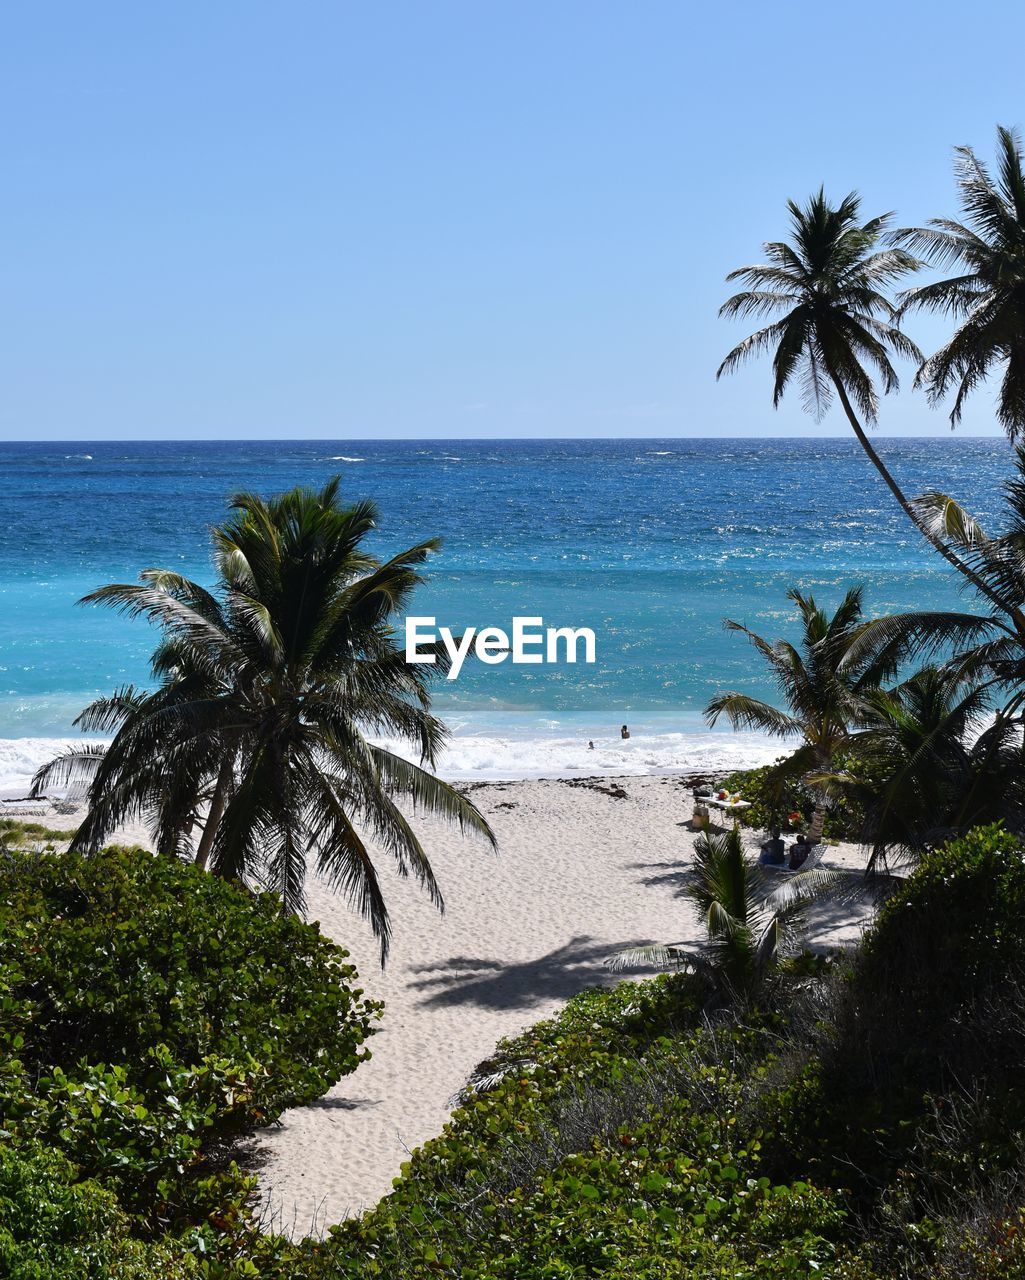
148,1014
54,1227
608,1147
123,951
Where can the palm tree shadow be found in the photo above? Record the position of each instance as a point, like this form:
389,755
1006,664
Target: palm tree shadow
672,874
853,907
330,1103
499,984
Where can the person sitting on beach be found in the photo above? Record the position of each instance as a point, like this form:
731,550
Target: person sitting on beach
799,851
624,733
773,850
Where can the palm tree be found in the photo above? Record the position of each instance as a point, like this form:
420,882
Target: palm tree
996,637
988,297
270,691
822,685
828,282
751,920
930,767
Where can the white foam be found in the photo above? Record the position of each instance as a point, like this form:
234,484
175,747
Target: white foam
482,755
21,757
494,756
341,457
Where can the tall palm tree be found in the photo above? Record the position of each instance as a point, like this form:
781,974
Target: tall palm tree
751,919
822,685
988,296
836,322
271,688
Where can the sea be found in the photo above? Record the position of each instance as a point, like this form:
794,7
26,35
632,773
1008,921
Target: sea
650,543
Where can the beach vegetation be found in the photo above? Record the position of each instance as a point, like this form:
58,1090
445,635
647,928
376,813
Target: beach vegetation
822,683
934,760
151,1015
56,1226
258,753
859,1119
18,832
790,803
752,919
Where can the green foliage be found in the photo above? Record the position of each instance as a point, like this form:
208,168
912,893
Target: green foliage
121,952
604,1144
926,774
17,829
54,1227
147,1013
861,1121
775,797
946,962
910,1095
752,919
15,833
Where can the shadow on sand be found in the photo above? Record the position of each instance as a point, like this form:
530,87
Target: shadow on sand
671,874
504,984
327,1103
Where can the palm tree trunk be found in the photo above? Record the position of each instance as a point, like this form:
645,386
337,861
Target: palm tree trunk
937,543
818,821
213,818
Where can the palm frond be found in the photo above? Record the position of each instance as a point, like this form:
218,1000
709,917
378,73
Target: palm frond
659,955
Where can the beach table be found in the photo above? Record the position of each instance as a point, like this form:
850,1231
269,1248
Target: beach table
727,806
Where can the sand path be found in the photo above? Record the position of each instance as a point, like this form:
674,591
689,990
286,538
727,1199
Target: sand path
579,874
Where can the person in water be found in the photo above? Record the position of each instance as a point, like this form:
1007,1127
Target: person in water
590,745
624,733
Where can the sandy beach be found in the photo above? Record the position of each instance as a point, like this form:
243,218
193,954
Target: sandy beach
585,866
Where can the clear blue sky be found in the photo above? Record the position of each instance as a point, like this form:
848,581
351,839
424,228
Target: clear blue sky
448,218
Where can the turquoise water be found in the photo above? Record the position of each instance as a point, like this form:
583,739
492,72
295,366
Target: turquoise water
650,543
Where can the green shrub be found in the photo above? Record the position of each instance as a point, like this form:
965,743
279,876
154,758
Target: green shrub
53,1227
770,804
15,833
906,1071
773,803
603,1143
123,951
148,1010
939,981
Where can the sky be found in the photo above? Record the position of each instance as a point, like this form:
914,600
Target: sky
449,219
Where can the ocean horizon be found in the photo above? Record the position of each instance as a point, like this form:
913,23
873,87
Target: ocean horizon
649,542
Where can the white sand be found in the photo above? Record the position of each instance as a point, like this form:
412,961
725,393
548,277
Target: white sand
578,875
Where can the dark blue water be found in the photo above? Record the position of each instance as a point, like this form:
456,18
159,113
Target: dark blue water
650,543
